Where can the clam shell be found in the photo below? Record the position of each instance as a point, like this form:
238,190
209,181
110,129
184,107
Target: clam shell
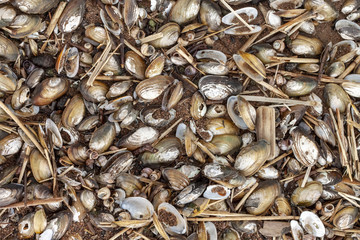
72,16
312,224
218,87
152,88
35,6
139,208
348,30
49,90
184,11
102,137
217,192
140,137
173,222
230,18
177,180
308,195
300,86
171,32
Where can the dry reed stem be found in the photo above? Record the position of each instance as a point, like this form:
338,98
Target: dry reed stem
224,214
55,18
277,159
23,166
114,78
272,89
243,218
350,67
251,40
289,102
204,149
306,177
295,60
134,49
33,203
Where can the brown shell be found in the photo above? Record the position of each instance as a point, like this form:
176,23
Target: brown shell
49,90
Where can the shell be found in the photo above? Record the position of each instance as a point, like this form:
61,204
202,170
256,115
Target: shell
168,151
173,222
312,224
8,50
10,193
184,11
72,16
135,65
250,65
74,112
335,97
171,32
305,150
140,137
308,195
346,217
102,137
139,208
300,86
230,18
217,192
39,166
251,158
152,88
177,180
218,87
49,90
35,6
302,45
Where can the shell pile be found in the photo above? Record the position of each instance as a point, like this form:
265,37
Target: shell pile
187,119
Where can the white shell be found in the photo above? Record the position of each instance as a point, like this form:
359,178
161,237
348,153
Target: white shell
272,19
217,192
242,30
231,19
348,29
312,224
212,54
211,230
296,230
138,207
181,226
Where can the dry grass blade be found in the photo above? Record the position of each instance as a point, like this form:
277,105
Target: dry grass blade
350,67
289,102
7,129
237,15
119,234
151,37
224,214
167,131
273,89
33,203
134,49
159,227
23,166
295,59
277,159
114,78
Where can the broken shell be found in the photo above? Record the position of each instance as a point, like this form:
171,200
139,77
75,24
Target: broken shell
312,224
308,195
198,106
20,97
26,226
251,158
250,12
57,226
297,231
139,208
285,4
173,222
250,65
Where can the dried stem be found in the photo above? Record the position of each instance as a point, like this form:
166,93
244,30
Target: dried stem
243,218
289,102
33,203
119,234
273,89
251,40
350,67
134,49
277,159
23,166
167,131
295,59
114,78
306,177
151,37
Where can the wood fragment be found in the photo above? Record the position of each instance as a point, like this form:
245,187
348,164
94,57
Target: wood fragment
350,67
265,127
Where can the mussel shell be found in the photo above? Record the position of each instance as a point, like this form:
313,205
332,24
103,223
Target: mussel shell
138,138
224,144
348,30
118,163
8,50
24,25
128,183
168,150
95,93
11,144
155,67
198,106
220,126
130,13
74,112
335,97
312,224
285,4
351,88
49,90
218,87
324,9
171,32
251,158
35,6
305,149
102,137
10,193
26,226
346,217
250,65
302,45
307,195
135,65
210,15
7,14
184,11
39,166
300,86
263,197
335,69
231,19
177,180
224,175
217,192
72,16
20,97
152,88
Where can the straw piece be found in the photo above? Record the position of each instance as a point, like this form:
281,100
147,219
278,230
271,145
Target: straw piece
151,37
289,102
33,203
119,234
236,14
55,18
243,218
